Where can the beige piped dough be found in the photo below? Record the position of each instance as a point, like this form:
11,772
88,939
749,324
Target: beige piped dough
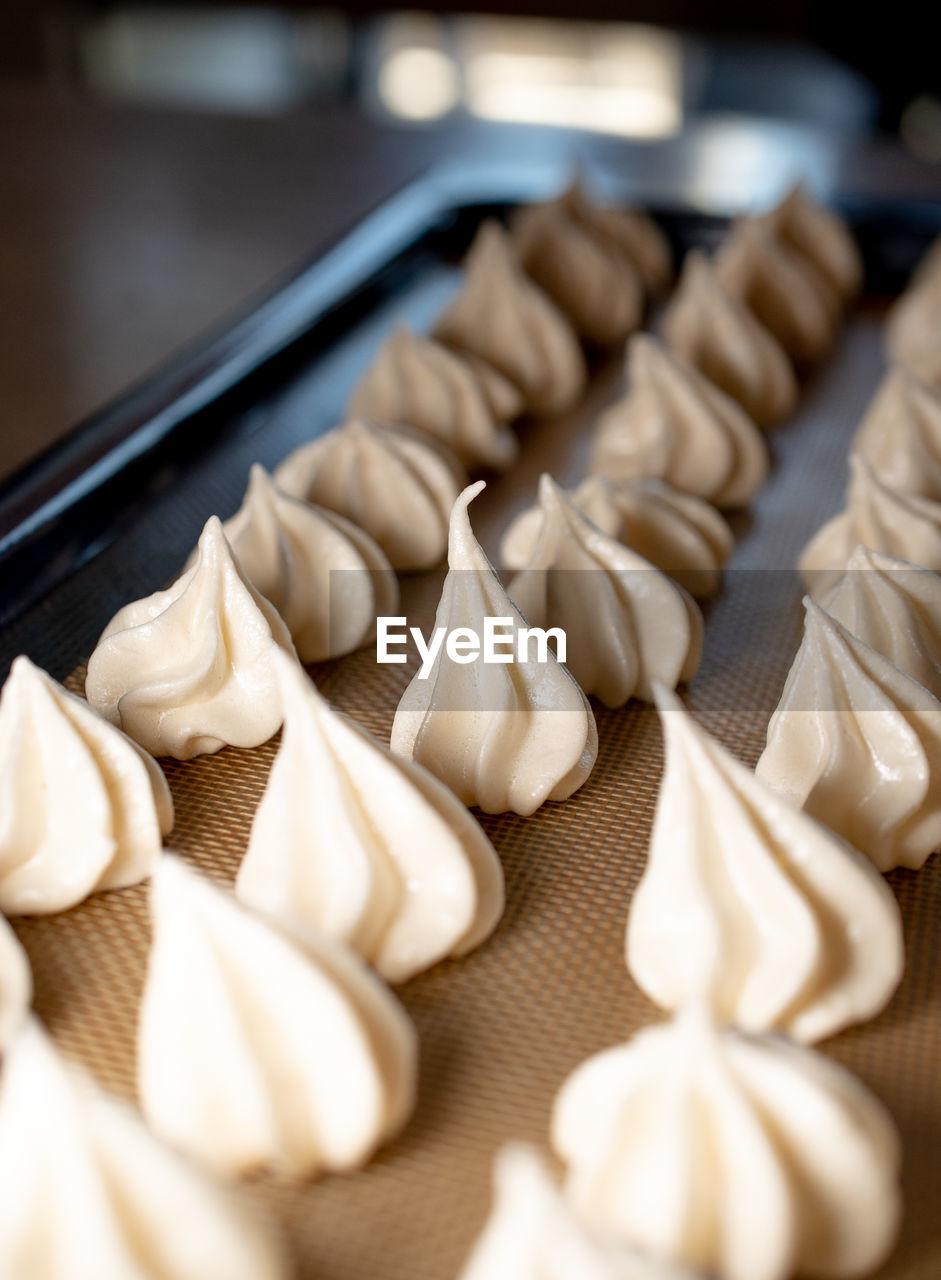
897,524
366,846
822,237
857,743
188,670
626,624
681,534
913,325
900,435
394,482
503,736
264,1046
747,903
675,425
16,984
747,1156
502,317
711,329
82,807
422,383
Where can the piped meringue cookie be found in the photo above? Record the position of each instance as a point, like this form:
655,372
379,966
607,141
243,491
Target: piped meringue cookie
898,524
822,237
708,327
82,807
636,233
365,846
532,1233
895,608
85,1190
676,532
325,576
503,735
587,275
750,905
188,670
16,984
913,328
781,288
746,1156
262,1046
626,624
392,481
857,743
673,424
900,435
502,317
422,383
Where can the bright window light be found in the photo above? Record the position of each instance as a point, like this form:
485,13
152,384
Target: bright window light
419,83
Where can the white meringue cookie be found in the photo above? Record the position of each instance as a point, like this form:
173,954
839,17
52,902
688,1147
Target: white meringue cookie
392,481
503,737
857,743
586,274
822,237
746,1156
532,1234
260,1046
422,383
365,846
711,329
898,524
86,1191
16,984
895,608
900,435
781,288
749,904
676,425
82,807
325,576
503,318
188,670
627,625
676,532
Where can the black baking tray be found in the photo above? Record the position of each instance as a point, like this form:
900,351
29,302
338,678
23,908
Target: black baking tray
129,489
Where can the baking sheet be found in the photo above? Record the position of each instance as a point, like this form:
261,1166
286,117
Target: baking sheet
501,1029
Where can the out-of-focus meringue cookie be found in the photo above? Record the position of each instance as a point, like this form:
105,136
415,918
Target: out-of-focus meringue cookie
592,280
82,807
681,534
749,904
895,608
502,317
188,670
716,332
533,1234
900,435
857,743
747,1156
781,287
502,735
902,525
393,481
325,576
641,239
422,383
822,237
626,624
262,1046
16,983
913,328
85,1190
675,425
366,846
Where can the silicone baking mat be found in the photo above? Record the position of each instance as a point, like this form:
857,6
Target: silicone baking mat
501,1029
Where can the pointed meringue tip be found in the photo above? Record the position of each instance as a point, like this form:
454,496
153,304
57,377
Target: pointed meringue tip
292,680
665,699
550,493
22,665
460,534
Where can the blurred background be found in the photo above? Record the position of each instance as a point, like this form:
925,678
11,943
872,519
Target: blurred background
162,164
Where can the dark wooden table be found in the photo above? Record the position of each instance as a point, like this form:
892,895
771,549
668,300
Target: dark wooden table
125,233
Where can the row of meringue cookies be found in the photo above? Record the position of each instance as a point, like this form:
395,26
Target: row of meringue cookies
718,1143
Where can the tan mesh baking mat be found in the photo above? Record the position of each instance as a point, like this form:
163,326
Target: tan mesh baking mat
501,1029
